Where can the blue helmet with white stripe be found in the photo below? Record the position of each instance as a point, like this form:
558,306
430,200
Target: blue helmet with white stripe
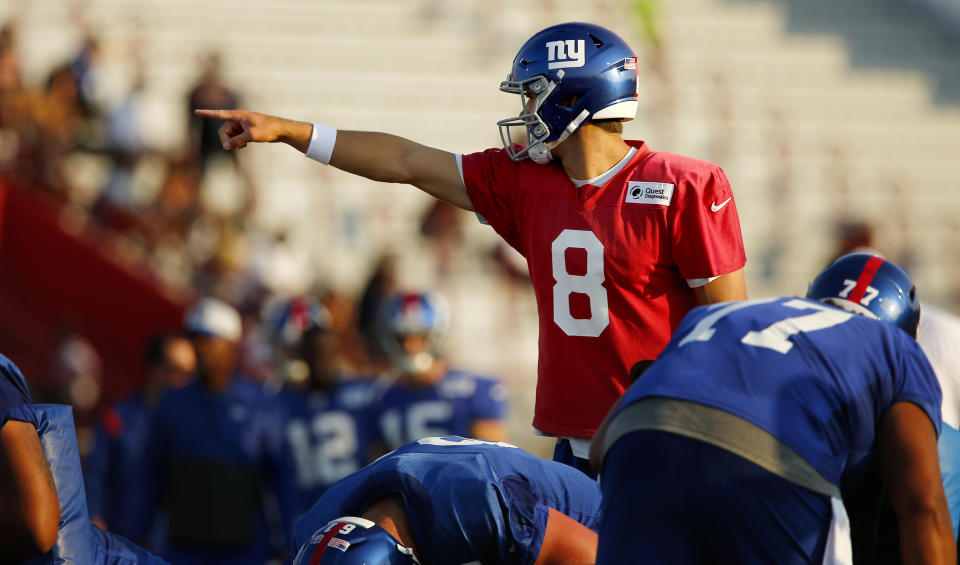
566,75
868,284
349,540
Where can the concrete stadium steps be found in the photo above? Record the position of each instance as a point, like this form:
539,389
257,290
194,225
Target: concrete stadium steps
742,70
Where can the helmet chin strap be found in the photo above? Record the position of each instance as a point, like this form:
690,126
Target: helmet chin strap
540,152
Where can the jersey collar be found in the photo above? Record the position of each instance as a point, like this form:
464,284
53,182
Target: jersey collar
587,195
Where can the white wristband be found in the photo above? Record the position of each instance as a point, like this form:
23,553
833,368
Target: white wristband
322,140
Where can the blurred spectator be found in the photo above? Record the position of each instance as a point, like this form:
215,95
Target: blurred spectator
330,416
210,91
511,263
10,72
382,283
13,108
58,119
114,472
343,318
123,123
84,68
255,359
428,398
442,226
852,235
77,372
216,450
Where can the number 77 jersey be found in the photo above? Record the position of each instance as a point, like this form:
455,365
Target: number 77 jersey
816,377
612,264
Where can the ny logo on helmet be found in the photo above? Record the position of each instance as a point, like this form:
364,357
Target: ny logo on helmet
563,54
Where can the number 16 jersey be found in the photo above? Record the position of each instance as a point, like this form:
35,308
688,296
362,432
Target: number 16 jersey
609,265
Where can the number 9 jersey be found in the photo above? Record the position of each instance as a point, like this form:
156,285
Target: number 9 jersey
612,264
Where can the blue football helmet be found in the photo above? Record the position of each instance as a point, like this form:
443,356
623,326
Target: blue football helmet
868,284
408,314
353,541
291,320
571,73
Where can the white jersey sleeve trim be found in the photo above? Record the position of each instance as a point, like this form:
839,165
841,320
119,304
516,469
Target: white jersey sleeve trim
697,283
460,167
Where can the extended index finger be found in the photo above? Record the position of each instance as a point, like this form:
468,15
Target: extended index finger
218,114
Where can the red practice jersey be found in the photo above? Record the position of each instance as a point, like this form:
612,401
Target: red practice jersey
609,265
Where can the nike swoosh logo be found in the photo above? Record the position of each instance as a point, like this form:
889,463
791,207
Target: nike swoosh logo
714,207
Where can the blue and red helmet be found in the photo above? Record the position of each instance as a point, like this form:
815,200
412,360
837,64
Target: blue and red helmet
572,73
349,540
868,284
293,318
413,313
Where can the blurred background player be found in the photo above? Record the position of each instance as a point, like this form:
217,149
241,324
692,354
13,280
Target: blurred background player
41,494
939,337
114,473
454,500
216,449
428,398
28,497
329,417
739,440
620,241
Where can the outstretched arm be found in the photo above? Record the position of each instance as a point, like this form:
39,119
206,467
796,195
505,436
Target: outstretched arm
377,156
567,542
911,475
30,515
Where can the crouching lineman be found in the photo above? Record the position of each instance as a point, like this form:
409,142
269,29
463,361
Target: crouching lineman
736,444
454,500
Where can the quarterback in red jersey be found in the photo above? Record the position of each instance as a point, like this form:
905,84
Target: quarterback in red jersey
620,241
611,264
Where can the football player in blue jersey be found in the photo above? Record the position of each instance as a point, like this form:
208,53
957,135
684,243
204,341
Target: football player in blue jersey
428,398
216,449
329,417
113,471
42,504
454,500
31,509
737,444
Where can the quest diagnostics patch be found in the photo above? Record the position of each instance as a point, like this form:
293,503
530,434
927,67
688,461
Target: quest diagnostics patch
649,193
